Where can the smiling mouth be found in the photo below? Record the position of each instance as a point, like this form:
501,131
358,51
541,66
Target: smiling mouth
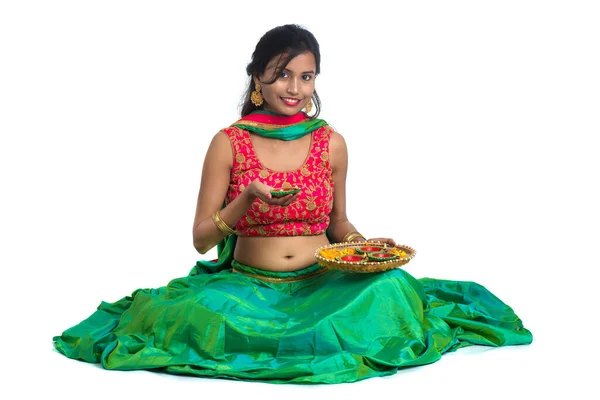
290,101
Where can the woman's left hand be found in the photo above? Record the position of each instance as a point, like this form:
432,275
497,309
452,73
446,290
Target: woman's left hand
389,241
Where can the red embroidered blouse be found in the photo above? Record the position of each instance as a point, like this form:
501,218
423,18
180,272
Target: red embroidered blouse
308,214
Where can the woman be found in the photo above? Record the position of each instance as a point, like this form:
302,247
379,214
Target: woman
264,310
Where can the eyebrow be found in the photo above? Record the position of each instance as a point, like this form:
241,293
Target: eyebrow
305,72
289,70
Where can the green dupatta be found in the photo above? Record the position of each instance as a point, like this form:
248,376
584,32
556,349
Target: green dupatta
283,127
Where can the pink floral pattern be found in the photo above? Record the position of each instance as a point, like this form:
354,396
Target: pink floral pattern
309,214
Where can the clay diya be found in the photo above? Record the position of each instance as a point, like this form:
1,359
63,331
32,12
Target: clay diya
369,249
382,256
280,192
351,258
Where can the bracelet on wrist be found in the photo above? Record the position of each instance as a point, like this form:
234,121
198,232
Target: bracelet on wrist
349,237
222,225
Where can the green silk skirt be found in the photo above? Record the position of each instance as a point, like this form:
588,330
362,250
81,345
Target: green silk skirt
309,326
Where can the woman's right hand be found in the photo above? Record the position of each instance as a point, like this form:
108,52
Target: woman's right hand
261,191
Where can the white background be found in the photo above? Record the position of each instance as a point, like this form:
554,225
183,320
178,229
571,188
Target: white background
479,117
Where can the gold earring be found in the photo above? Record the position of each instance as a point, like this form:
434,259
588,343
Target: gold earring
257,97
309,106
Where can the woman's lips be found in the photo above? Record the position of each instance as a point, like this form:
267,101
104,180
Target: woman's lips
290,101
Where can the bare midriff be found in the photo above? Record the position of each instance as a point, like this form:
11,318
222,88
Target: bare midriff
279,253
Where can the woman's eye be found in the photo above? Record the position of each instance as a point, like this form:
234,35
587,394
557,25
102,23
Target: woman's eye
283,74
307,77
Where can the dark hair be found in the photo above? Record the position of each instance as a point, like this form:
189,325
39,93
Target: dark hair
286,41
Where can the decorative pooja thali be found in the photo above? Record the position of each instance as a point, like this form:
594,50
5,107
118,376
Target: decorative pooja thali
364,256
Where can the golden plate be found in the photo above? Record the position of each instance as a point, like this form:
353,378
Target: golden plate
364,266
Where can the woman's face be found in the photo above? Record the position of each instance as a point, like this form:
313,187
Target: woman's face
293,88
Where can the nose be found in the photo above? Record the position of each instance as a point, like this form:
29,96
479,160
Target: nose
292,86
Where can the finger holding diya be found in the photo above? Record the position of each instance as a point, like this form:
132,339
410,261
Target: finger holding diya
387,241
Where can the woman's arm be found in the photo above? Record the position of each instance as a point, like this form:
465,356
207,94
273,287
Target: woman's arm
213,188
216,174
339,226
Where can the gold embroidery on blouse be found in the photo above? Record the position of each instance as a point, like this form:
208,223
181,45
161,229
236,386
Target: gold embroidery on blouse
314,177
240,158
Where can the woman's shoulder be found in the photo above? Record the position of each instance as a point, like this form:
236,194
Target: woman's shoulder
336,139
233,133
329,132
220,141
221,136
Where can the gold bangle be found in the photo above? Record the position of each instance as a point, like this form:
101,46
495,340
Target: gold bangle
351,236
222,225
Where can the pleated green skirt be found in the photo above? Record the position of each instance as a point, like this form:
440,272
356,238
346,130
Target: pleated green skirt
308,326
